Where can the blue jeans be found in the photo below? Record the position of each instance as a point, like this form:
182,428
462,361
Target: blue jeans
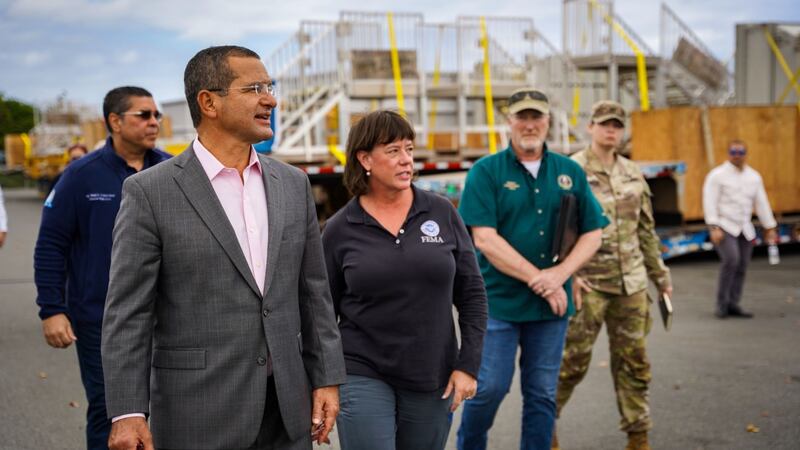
541,343
88,345
377,416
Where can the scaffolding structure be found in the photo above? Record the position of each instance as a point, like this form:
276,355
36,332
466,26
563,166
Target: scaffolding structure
452,80
616,63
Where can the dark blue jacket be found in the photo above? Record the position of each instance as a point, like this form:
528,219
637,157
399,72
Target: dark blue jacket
73,251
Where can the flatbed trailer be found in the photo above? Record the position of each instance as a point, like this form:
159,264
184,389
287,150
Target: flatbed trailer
665,178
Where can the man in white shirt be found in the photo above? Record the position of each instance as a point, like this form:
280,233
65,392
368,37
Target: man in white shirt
730,193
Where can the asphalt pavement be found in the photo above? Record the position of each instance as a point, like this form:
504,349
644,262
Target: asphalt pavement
712,379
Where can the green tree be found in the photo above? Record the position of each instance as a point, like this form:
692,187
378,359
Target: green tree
15,117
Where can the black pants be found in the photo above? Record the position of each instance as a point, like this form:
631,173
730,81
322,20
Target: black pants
272,435
735,253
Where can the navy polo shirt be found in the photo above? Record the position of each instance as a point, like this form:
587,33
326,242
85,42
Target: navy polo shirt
73,252
502,194
394,295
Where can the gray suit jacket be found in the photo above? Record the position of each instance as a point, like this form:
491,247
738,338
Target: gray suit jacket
186,330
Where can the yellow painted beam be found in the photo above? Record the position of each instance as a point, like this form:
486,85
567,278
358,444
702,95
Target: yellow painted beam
436,77
777,51
788,88
26,143
641,65
576,104
487,87
337,153
398,78
782,62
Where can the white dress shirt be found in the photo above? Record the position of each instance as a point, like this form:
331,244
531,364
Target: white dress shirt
729,197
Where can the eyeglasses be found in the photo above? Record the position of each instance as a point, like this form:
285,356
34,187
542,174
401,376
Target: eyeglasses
737,151
145,114
258,88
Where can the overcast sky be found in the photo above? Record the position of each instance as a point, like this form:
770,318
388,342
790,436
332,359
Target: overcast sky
85,47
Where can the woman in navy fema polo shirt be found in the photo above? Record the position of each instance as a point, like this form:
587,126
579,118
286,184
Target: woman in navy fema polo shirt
399,258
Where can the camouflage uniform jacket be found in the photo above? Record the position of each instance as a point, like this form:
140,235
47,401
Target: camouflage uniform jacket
631,251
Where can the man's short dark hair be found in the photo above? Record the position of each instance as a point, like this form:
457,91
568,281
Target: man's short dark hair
118,100
209,69
376,128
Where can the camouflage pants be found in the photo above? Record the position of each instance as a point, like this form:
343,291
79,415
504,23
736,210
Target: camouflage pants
627,319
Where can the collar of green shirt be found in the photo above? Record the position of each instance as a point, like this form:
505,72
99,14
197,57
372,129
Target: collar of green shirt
513,154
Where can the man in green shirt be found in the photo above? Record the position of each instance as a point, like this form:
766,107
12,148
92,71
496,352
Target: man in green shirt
511,202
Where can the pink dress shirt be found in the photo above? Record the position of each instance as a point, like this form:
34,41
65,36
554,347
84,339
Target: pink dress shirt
245,203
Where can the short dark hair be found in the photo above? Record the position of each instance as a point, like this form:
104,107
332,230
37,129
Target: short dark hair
118,100
376,128
209,69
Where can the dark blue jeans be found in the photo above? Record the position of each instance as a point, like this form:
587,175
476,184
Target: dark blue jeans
377,416
88,345
541,344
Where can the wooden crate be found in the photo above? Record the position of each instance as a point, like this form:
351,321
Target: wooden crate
377,64
443,142
481,140
15,151
771,133
94,132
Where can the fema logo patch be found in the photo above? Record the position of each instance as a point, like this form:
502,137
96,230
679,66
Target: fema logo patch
565,182
430,229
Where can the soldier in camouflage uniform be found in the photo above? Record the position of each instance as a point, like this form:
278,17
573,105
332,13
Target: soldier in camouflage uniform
614,281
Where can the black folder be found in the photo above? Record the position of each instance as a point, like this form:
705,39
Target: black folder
665,305
566,229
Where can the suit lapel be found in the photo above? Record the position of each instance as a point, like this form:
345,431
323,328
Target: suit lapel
197,188
275,201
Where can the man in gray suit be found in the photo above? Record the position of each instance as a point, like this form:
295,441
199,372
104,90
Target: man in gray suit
219,324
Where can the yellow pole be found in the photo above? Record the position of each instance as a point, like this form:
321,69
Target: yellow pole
487,87
779,56
788,88
436,77
28,152
641,65
641,71
576,104
337,153
398,79
26,143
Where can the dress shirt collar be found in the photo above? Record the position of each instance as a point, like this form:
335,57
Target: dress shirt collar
733,169
211,164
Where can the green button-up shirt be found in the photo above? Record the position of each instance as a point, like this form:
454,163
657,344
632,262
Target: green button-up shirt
630,251
500,193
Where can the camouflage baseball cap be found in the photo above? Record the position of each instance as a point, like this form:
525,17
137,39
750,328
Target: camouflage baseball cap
528,98
606,110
